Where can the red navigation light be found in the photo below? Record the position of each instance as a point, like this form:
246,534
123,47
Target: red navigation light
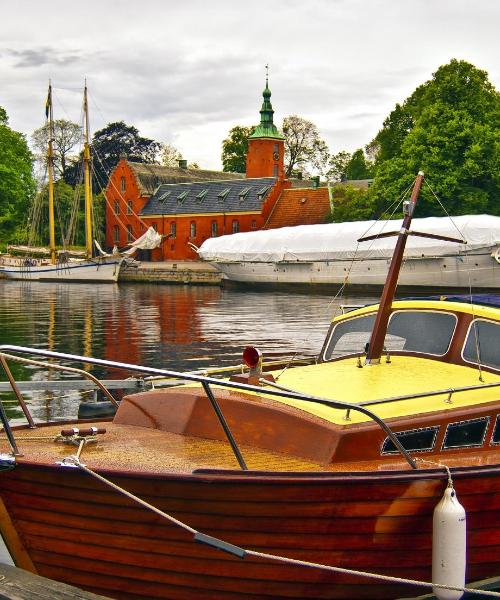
251,357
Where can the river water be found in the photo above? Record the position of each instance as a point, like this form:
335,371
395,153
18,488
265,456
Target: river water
173,327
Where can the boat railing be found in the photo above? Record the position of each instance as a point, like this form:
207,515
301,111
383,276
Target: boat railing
206,382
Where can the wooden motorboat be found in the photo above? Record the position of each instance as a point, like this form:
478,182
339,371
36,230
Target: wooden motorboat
317,481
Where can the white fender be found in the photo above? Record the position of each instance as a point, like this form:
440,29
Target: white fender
448,545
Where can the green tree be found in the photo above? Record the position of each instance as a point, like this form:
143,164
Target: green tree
108,144
235,149
449,128
351,204
358,167
338,166
17,185
304,149
66,135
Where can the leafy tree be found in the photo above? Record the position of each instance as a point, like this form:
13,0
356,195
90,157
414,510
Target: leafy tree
17,185
235,149
452,134
169,156
108,144
66,135
338,166
351,204
358,167
304,149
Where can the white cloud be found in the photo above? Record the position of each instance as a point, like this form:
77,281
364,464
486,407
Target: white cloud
187,72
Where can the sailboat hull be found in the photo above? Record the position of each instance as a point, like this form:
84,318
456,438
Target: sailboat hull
97,270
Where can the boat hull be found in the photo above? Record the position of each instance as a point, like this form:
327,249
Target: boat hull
447,272
98,270
79,531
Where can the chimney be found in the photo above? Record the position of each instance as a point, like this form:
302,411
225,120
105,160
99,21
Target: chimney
183,164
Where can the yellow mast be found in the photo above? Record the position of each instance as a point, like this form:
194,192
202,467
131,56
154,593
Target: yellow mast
50,169
87,182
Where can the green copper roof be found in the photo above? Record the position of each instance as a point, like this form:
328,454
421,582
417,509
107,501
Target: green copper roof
267,129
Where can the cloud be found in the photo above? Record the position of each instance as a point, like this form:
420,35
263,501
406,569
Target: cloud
44,55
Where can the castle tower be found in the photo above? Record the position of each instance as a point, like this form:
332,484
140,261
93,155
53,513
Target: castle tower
266,145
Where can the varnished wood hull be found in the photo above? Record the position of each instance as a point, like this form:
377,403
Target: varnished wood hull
79,531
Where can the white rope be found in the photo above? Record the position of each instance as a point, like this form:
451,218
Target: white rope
74,461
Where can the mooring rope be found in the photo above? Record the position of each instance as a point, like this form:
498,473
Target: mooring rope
74,461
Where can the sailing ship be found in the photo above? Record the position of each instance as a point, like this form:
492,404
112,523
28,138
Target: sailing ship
328,254
53,265
351,477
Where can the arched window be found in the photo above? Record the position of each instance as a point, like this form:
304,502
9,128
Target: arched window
236,226
122,184
116,234
173,229
130,208
130,235
215,231
192,229
117,207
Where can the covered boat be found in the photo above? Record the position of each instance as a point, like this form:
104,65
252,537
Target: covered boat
305,481
331,254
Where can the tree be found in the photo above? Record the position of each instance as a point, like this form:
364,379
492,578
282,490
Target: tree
169,156
108,144
304,149
235,149
338,166
358,167
66,135
449,128
351,204
17,185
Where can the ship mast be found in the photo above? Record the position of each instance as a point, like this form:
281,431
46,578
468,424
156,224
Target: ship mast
376,345
86,177
50,170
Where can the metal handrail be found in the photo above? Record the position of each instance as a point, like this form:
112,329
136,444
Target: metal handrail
206,383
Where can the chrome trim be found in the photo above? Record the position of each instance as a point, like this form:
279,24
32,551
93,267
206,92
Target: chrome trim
476,420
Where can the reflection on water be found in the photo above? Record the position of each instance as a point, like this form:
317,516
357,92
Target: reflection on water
174,327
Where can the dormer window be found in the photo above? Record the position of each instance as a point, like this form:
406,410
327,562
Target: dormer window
222,195
163,197
201,195
182,196
263,191
244,193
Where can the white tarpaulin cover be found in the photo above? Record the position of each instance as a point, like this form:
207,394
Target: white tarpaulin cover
148,241
335,241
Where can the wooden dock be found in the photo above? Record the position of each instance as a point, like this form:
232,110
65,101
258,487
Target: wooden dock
18,584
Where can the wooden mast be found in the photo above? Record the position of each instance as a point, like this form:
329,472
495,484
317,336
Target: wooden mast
50,171
377,338
86,176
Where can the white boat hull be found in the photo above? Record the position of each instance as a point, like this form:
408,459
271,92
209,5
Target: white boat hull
479,270
97,270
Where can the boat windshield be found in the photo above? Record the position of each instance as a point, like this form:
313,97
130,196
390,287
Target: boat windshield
481,345
407,332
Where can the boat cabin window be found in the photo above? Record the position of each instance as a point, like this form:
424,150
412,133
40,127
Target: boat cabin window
465,434
350,337
415,440
481,345
407,332
495,439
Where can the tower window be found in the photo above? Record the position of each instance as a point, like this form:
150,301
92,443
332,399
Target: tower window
275,170
122,184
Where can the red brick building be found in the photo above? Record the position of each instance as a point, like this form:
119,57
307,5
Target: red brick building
187,206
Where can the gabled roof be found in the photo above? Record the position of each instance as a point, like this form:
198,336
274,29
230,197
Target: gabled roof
228,196
150,176
300,206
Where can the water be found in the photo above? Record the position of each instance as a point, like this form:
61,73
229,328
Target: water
174,327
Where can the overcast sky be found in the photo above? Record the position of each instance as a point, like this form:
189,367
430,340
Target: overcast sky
185,72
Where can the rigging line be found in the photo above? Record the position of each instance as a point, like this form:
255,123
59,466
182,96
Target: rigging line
444,208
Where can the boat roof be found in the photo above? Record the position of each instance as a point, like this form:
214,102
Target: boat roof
481,299
338,241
